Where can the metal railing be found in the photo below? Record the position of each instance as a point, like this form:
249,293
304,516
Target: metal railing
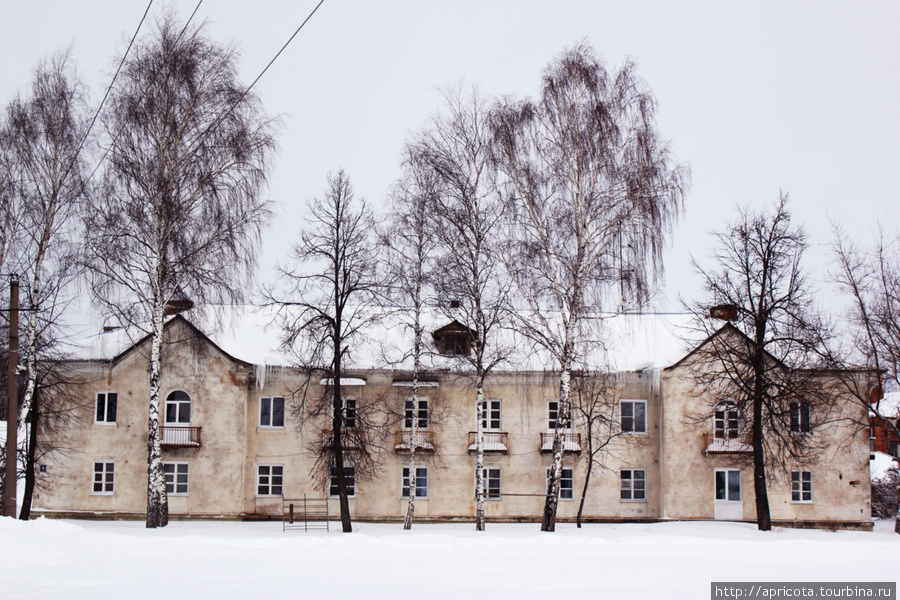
494,441
725,445
571,442
179,436
424,440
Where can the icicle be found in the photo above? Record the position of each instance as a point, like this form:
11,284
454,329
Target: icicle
260,376
654,374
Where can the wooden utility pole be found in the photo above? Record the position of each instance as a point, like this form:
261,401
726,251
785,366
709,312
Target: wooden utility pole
12,404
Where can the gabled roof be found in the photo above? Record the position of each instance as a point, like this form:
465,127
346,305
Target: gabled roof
727,329
131,346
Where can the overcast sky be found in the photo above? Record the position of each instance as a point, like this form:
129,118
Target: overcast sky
756,97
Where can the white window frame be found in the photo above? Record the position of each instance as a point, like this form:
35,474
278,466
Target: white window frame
333,491
726,408
349,405
173,480
404,483
271,401
797,487
270,484
799,430
727,473
107,474
630,488
410,413
567,475
486,418
633,403
551,420
105,394
178,422
486,477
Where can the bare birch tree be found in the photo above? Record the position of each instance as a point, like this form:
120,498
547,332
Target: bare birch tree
466,212
764,363
47,131
595,400
870,277
411,249
591,193
180,211
325,301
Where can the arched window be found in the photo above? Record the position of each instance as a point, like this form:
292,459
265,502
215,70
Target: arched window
178,408
726,421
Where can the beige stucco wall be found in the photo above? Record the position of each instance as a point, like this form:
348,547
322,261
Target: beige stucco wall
223,470
218,390
840,471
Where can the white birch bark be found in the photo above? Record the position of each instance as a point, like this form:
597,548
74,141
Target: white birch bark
157,500
479,458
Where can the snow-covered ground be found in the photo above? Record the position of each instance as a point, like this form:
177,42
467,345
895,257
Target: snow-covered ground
222,560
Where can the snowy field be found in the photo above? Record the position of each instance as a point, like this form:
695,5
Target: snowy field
198,560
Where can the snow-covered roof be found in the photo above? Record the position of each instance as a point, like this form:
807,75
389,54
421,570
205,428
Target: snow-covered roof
880,464
628,342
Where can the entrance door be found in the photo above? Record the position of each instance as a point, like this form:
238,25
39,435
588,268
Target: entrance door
728,504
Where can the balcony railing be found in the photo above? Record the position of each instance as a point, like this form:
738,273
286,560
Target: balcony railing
351,439
723,445
424,441
494,441
571,442
179,437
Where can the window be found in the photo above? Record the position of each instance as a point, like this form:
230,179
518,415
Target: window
491,483
728,485
349,413
178,408
726,421
454,344
271,411
349,480
566,484
176,478
801,486
633,485
491,417
800,417
553,415
421,482
104,477
107,405
270,481
410,412
634,416
895,448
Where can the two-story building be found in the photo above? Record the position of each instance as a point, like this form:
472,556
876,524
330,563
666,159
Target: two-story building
236,440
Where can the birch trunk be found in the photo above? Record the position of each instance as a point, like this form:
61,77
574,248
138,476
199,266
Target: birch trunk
548,523
411,463
157,500
479,458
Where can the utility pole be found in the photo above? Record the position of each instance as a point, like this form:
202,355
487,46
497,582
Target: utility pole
12,404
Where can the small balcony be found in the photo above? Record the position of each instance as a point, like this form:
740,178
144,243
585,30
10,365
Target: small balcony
179,437
494,441
725,445
351,439
424,441
571,442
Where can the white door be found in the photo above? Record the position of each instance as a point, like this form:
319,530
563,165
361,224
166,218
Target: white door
728,504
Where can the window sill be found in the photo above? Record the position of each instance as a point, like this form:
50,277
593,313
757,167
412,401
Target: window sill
102,493
105,424
632,501
270,428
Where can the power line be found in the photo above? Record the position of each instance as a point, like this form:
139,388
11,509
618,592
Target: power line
105,154
209,129
105,96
